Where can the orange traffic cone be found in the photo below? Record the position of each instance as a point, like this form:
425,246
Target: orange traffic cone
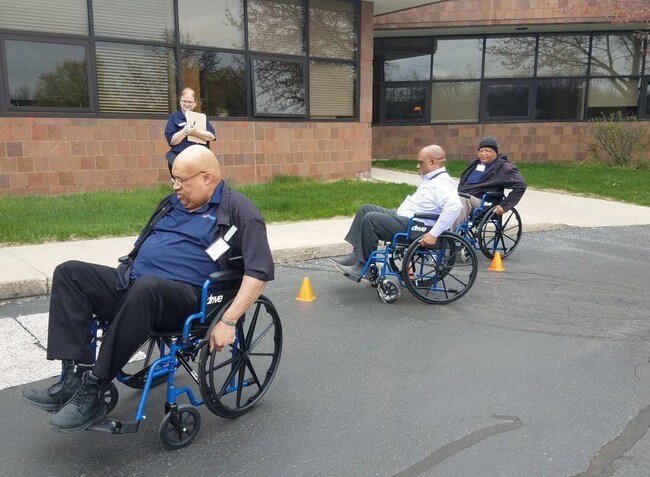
305,293
496,265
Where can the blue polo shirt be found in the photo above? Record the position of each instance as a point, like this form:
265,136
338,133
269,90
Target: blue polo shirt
175,249
175,123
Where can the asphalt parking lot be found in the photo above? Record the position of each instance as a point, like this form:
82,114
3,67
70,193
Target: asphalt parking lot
543,370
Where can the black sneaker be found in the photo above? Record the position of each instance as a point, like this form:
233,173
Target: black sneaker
54,398
348,260
85,407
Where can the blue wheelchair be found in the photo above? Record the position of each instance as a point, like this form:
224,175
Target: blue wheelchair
489,232
230,383
436,275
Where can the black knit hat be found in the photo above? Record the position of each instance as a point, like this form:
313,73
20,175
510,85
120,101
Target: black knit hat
489,141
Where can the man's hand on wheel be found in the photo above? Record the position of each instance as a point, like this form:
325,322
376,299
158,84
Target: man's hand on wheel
499,210
428,240
222,335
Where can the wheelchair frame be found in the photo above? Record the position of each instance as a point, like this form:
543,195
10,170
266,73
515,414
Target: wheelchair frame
425,272
488,232
181,423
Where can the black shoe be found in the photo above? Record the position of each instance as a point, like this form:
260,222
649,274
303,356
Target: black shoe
348,260
54,398
353,272
86,406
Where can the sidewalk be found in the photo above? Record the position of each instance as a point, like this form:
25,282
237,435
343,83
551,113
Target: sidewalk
27,270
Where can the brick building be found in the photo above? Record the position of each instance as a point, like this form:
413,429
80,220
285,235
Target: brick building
531,72
289,85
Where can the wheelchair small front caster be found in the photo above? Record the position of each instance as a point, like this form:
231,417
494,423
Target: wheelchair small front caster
373,275
388,291
180,426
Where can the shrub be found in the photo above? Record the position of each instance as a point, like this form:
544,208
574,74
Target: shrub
623,140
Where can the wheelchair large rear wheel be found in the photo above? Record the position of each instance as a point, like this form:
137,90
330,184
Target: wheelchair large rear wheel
440,274
235,379
499,233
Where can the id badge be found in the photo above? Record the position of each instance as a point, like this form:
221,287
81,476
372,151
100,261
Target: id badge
220,246
480,167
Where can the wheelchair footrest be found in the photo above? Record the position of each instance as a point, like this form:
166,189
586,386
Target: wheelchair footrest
114,426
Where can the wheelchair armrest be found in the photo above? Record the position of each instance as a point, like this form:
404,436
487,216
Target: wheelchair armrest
464,194
426,216
227,275
492,196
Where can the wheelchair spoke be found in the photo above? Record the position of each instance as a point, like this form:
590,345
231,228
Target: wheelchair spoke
251,328
240,383
259,338
231,375
263,354
225,363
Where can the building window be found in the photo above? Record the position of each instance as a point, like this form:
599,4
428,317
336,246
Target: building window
124,19
244,58
331,90
279,88
276,26
510,57
611,95
458,59
47,75
455,101
406,104
135,78
213,24
563,55
407,59
615,55
332,29
63,16
218,79
560,99
507,100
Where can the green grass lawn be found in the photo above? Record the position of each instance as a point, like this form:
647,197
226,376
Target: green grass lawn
618,183
112,213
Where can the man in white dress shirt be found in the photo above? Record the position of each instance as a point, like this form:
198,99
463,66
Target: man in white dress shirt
436,195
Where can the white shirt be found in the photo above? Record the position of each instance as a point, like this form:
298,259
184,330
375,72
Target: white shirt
436,195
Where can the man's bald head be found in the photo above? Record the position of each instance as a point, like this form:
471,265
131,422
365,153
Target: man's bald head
198,158
431,158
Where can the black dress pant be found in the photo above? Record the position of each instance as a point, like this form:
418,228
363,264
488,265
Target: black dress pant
81,290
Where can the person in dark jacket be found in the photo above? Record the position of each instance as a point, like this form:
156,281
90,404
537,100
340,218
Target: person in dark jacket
490,172
155,287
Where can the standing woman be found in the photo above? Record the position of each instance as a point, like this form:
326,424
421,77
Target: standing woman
177,129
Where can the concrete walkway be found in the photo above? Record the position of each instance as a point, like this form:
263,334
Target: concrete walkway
27,270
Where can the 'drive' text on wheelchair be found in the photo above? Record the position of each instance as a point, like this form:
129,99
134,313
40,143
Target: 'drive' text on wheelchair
190,287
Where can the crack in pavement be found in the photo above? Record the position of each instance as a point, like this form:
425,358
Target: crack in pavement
463,443
601,463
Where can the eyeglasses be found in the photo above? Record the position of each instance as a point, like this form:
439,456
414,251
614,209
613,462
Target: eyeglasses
177,181
187,101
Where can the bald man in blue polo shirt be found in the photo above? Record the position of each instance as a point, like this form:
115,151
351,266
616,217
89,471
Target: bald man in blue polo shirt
155,287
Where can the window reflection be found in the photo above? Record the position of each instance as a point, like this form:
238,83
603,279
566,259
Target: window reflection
134,78
507,100
563,55
607,96
47,74
613,55
279,87
458,59
407,59
276,26
455,102
560,99
332,29
210,23
509,57
406,104
218,80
